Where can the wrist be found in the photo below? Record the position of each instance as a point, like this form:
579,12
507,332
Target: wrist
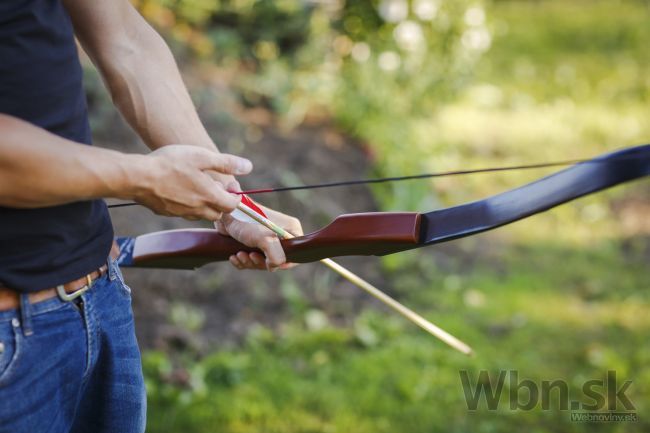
135,176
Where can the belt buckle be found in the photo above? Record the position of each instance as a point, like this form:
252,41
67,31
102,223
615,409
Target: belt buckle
67,297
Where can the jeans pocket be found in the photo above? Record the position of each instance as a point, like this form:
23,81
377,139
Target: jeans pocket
119,278
125,288
10,349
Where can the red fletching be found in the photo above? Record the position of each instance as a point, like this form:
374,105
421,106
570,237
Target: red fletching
251,204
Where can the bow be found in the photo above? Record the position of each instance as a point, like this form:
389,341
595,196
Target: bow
381,233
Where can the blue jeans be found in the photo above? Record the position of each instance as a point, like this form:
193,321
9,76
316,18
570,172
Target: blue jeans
73,367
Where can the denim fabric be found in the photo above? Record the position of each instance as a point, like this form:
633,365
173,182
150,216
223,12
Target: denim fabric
71,368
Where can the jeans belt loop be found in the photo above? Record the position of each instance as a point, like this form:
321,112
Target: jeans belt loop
112,271
67,297
26,314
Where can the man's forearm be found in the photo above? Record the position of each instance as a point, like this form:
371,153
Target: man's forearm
141,74
40,169
147,88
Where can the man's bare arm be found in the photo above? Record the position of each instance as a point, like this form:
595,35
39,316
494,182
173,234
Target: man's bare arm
147,88
139,71
40,169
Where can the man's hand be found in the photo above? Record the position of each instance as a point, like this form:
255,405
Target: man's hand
180,181
258,236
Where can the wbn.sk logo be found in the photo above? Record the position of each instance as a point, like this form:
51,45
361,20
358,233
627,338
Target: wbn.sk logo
606,399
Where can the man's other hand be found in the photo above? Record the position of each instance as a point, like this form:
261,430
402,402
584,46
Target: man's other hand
257,236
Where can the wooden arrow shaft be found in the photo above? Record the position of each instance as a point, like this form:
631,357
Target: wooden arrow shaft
368,288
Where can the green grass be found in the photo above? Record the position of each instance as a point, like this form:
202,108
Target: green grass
550,313
583,50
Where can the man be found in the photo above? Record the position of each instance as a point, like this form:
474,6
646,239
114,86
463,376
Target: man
69,361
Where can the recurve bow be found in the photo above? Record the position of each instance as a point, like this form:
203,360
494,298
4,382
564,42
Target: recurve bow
381,233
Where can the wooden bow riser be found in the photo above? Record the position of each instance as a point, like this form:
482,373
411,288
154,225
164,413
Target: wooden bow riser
374,233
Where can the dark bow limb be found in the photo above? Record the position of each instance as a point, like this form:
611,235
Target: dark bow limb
577,181
385,233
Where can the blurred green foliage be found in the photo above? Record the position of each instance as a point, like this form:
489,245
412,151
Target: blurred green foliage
376,67
384,375
432,86
383,70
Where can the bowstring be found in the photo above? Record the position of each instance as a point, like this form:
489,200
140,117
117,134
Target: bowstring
404,178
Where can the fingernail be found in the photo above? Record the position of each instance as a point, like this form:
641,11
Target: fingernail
244,166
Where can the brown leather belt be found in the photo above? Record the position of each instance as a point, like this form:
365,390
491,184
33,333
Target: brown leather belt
10,298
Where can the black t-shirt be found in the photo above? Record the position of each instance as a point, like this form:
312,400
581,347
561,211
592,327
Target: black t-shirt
41,82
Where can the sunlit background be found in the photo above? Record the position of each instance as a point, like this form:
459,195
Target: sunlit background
319,91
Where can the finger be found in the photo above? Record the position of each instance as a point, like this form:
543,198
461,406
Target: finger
258,259
294,227
235,262
216,197
214,216
233,186
290,224
224,163
244,259
273,251
230,184
206,213
271,267
194,214
219,226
